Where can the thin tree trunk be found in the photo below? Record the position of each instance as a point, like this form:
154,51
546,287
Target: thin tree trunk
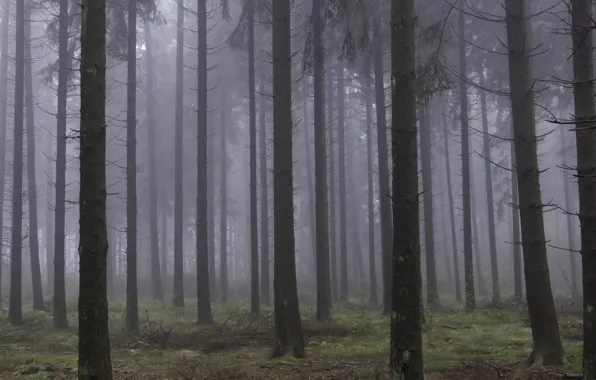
254,242
343,240
49,247
204,314
494,263
331,160
322,223
372,265
94,342
583,73
543,319
3,118
223,226
406,361
475,238
307,162
59,307
132,297
384,178
156,285
164,245
570,219
265,293
38,303
178,299
465,143
15,312
112,251
517,244
288,326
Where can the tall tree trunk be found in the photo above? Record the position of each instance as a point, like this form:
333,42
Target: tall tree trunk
204,314
211,204
59,307
164,245
265,293
475,238
384,178
454,251
583,73
465,144
156,285
406,360
331,161
49,231
112,251
288,326
15,312
31,178
543,319
494,263
343,240
254,242
3,118
372,265
223,189
432,287
178,299
132,297
518,293
94,342
307,162
570,218
322,221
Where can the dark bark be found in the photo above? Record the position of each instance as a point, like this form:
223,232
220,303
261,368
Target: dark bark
384,178
307,162
156,285
432,287
49,230
132,297
38,303
204,314
3,118
178,299
374,299
547,347
288,326
518,293
583,73
406,361
223,189
59,307
112,251
254,242
465,144
570,219
211,207
494,263
341,144
15,312
454,251
94,342
322,223
331,160
265,293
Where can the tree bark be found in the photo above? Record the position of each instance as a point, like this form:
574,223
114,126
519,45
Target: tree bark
331,160
94,342
343,240
570,221
3,118
38,303
265,293
156,285
467,196
49,230
223,226
543,319
288,326
583,86
132,297
374,299
518,294
406,361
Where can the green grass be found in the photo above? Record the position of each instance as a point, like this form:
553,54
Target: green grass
357,340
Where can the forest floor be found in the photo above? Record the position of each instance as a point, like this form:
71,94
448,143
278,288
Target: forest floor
485,344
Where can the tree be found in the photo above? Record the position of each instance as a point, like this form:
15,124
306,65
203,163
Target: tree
254,242
132,297
178,172
343,240
203,295
321,213
15,312
264,197
547,347
59,309
153,217
406,360
223,189
94,342
288,326
31,179
3,118
465,152
585,114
